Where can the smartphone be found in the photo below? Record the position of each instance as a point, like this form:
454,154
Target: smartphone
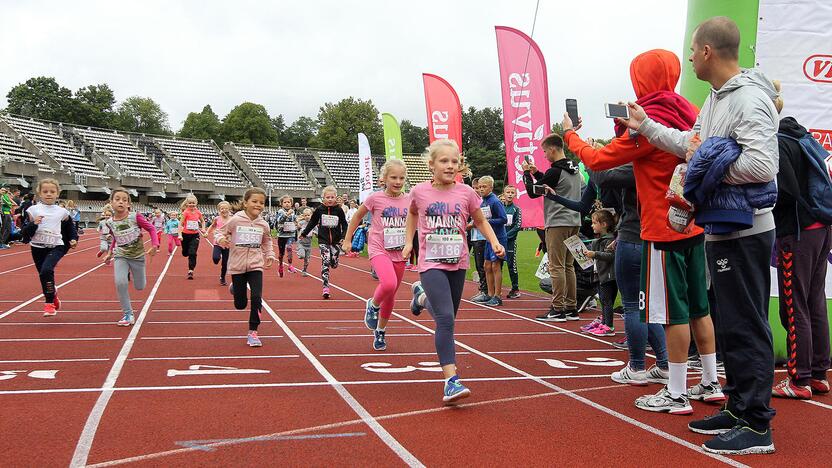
572,110
538,190
530,159
617,111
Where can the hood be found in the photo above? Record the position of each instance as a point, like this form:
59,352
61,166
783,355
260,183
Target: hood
242,214
567,165
790,127
749,77
654,70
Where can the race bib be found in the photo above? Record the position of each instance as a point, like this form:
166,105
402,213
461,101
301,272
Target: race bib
192,225
289,226
246,236
509,219
329,221
393,238
44,237
127,236
486,211
444,248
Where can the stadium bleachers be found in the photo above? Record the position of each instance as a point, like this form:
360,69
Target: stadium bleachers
343,167
202,160
308,162
176,207
131,161
417,169
12,150
58,148
275,167
147,145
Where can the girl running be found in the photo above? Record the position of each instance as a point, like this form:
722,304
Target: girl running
246,235
172,230
220,252
104,236
305,243
331,222
389,214
191,226
440,208
51,234
287,231
158,222
127,250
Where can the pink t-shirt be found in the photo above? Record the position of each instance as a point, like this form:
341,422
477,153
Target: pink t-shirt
191,224
443,215
389,215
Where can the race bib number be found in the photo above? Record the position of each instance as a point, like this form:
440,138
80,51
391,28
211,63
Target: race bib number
393,238
444,248
44,237
329,221
486,211
289,226
192,225
127,236
246,236
509,219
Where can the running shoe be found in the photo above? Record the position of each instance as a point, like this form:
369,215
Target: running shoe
100,253
454,390
223,282
374,274
379,343
656,374
621,344
371,315
741,440
4,246
664,402
56,302
494,302
49,310
601,330
292,269
326,293
513,294
418,291
552,316
190,275
572,315
819,386
719,423
280,271
788,389
480,298
304,273
253,340
126,320
231,288
711,393
629,376
591,324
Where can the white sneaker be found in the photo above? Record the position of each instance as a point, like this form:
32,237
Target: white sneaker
657,375
708,393
126,320
630,376
663,402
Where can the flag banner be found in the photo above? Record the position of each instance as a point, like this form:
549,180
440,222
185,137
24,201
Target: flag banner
444,110
525,113
365,168
392,137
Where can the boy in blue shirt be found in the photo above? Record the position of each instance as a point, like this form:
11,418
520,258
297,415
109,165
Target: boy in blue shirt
495,213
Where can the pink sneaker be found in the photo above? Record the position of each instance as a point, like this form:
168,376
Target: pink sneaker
49,310
591,325
292,269
602,330
326,293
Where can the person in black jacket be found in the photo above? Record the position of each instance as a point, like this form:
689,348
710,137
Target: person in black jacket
802,245
332,224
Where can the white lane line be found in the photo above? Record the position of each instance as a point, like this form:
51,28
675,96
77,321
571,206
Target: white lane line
25,340
385,354
43,361
97,311
210,322
817,403
560,351
231,337
365,415
397,320
598,406
82,449
57,288
40,324
190,358
32,264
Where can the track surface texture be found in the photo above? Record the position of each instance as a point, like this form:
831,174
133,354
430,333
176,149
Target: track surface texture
182,388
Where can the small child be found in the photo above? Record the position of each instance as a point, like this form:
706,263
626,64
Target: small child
172,230
191,227
104,236
75,214
495,214
331,222
304,247
246,235
127,250
603,224
220,253
513,225
158,222
287,231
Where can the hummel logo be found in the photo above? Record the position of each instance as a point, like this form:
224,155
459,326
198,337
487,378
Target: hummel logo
722,263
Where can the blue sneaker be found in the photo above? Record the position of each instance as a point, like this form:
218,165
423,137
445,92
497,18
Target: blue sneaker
418,291
494,302
454,390
371,315
253,340
4,246
379,344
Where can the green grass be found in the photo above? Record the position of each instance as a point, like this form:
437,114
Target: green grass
526,263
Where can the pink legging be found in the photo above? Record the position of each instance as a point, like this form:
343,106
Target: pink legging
173,239
390,275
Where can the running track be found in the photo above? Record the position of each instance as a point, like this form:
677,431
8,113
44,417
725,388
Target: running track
181,387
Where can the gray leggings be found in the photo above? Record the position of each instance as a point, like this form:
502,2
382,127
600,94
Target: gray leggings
135,266
444,292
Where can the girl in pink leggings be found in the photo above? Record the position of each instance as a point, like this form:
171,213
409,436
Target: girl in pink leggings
388,209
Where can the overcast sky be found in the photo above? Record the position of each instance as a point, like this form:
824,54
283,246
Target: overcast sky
293,56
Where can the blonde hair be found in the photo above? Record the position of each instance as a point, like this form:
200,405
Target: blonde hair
329,189
391,163
487,180
119,190
778,101
285,197
48,180
223,203
70,203
188,199
434,148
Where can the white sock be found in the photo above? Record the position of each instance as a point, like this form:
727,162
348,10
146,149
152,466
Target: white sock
421,299
677,384
380,329
708,368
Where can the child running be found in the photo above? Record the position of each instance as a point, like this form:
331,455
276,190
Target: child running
52,233
441,208
603,223
304,246
172,230
158,222
331,222
246,235
127,250
287,231
220,253
191,226
389,215
104,236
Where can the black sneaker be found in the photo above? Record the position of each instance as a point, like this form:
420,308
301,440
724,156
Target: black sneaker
513,294
552,316
741,440
572,315
719,423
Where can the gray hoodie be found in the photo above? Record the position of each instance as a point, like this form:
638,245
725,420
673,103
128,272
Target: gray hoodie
742,109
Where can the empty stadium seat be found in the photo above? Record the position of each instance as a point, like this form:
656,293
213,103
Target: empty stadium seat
203,161
130,160
275,167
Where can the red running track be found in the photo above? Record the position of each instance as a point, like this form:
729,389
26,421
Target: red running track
182,388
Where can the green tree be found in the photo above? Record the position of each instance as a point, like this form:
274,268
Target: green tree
204,125
558,128
301,133
94,106
142,115
339,125
414,138
482,128
249,124
279,125
41,98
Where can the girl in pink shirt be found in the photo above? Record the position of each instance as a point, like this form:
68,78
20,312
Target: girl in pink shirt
191,227
440,209
220,253
247,236
386,240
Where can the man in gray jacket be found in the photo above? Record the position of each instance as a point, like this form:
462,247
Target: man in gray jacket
740,106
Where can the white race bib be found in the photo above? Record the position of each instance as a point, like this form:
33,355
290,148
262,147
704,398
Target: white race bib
444,248
509,219
486,211
192,225
48,238
289,226
393,238
127,236
329,221
246,236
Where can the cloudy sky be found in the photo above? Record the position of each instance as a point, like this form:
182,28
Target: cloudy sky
293,56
